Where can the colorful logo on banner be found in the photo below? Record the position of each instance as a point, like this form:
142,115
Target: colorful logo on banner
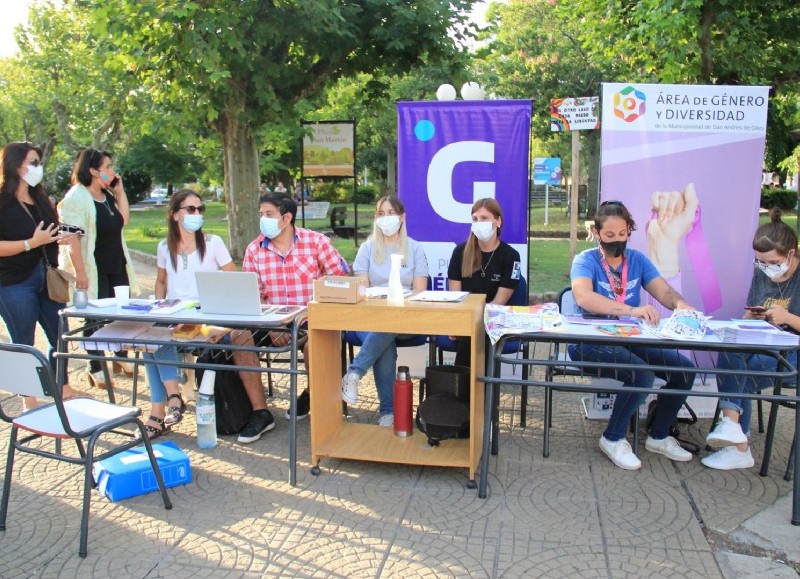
630,104
451,154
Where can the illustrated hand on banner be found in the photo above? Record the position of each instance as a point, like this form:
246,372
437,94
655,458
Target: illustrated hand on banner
673,216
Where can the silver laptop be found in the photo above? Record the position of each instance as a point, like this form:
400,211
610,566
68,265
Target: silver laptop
235,293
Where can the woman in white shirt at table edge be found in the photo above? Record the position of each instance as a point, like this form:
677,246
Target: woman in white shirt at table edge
607,280
379,350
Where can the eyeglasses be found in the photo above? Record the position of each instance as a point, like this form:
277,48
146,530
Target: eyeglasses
191,209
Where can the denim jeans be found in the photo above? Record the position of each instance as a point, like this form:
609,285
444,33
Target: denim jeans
157,374
744,383
25,303
379,352
626,404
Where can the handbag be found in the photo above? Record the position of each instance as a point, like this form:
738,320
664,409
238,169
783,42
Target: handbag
58,284
58,281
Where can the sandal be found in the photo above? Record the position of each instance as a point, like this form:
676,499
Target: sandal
174,411
155,431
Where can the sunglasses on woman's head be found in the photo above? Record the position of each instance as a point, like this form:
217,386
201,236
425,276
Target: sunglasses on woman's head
611,203
192,209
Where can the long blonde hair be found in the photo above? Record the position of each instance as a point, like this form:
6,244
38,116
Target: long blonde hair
472,253
379,239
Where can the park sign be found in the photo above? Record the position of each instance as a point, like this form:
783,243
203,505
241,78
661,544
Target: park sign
329,149
574,114
547,171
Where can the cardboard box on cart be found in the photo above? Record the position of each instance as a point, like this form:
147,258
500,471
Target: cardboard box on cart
340,289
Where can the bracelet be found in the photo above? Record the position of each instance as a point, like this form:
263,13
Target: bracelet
26,245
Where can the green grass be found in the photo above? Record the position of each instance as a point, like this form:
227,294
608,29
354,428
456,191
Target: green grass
549,259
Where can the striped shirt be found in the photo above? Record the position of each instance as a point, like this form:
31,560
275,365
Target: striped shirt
290,279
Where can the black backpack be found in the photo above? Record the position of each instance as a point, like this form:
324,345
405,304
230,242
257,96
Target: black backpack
443,411
233,407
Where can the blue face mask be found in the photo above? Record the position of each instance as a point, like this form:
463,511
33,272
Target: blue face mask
269,227
192,223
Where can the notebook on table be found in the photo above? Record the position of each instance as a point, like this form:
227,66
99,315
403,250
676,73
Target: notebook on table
235,293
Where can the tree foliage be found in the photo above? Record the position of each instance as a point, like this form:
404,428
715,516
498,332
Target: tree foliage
240,64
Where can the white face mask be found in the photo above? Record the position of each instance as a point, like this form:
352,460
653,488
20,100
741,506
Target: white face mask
192,223
269,227
388,224
773,271
483,230
34,175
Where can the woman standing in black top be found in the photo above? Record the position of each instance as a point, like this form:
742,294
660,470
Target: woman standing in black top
28,237
484,264
99,259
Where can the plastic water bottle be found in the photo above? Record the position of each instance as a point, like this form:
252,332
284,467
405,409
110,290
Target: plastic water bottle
206,412
403,403
395,294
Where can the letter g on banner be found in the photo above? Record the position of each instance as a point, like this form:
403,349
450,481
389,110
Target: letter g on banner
440,178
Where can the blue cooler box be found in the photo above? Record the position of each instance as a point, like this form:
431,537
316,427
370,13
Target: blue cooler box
129,473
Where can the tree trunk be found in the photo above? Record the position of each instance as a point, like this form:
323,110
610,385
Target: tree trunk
240,164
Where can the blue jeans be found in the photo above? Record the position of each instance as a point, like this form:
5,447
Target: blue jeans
379,352
626,404
157,374
27,302
738,384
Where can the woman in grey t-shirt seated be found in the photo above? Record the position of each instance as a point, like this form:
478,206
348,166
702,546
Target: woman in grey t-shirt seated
379,350
776,289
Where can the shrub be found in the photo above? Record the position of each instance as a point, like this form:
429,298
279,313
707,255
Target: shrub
785,199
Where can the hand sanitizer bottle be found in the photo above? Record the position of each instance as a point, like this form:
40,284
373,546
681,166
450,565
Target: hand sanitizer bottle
395,294
206,412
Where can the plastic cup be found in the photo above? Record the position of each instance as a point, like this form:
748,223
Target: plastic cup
80,298
123,294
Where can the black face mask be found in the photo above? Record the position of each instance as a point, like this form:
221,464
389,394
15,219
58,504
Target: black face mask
613,248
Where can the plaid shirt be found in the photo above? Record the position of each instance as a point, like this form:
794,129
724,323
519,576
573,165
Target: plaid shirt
290,279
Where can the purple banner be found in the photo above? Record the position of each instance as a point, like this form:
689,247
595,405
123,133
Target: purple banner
452,153
687,161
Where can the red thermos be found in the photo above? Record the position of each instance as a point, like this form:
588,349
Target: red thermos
403,403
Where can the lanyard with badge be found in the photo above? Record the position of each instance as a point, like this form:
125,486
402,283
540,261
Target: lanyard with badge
618,285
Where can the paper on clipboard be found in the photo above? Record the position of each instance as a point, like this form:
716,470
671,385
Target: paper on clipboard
439,296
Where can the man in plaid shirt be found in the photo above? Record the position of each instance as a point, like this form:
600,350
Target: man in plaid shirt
287,260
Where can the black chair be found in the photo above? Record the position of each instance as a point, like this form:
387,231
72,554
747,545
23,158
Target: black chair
28,373
441,344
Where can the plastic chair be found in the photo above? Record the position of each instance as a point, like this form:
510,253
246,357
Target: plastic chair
28,373
441,344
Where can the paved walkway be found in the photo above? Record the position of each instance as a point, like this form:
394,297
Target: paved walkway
573,514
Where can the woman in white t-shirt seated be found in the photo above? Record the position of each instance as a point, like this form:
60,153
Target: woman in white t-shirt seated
186,250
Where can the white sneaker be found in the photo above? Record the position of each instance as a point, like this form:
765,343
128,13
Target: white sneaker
669,447
350,387
726,433
620,453
386,420
729,458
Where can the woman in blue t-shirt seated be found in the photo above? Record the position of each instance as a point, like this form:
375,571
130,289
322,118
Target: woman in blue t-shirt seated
607,280
776,288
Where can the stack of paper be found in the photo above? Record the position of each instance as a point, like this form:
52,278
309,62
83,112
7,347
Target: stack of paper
755,332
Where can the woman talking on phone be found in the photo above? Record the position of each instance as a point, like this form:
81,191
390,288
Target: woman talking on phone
99,259
774,296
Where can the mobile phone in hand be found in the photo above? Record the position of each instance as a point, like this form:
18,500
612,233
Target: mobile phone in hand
760,310
114,182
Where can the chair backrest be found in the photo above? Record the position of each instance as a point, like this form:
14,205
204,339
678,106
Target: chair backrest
338,216
25,371
520,295
566,302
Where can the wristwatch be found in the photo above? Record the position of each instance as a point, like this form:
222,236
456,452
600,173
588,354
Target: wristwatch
26,245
